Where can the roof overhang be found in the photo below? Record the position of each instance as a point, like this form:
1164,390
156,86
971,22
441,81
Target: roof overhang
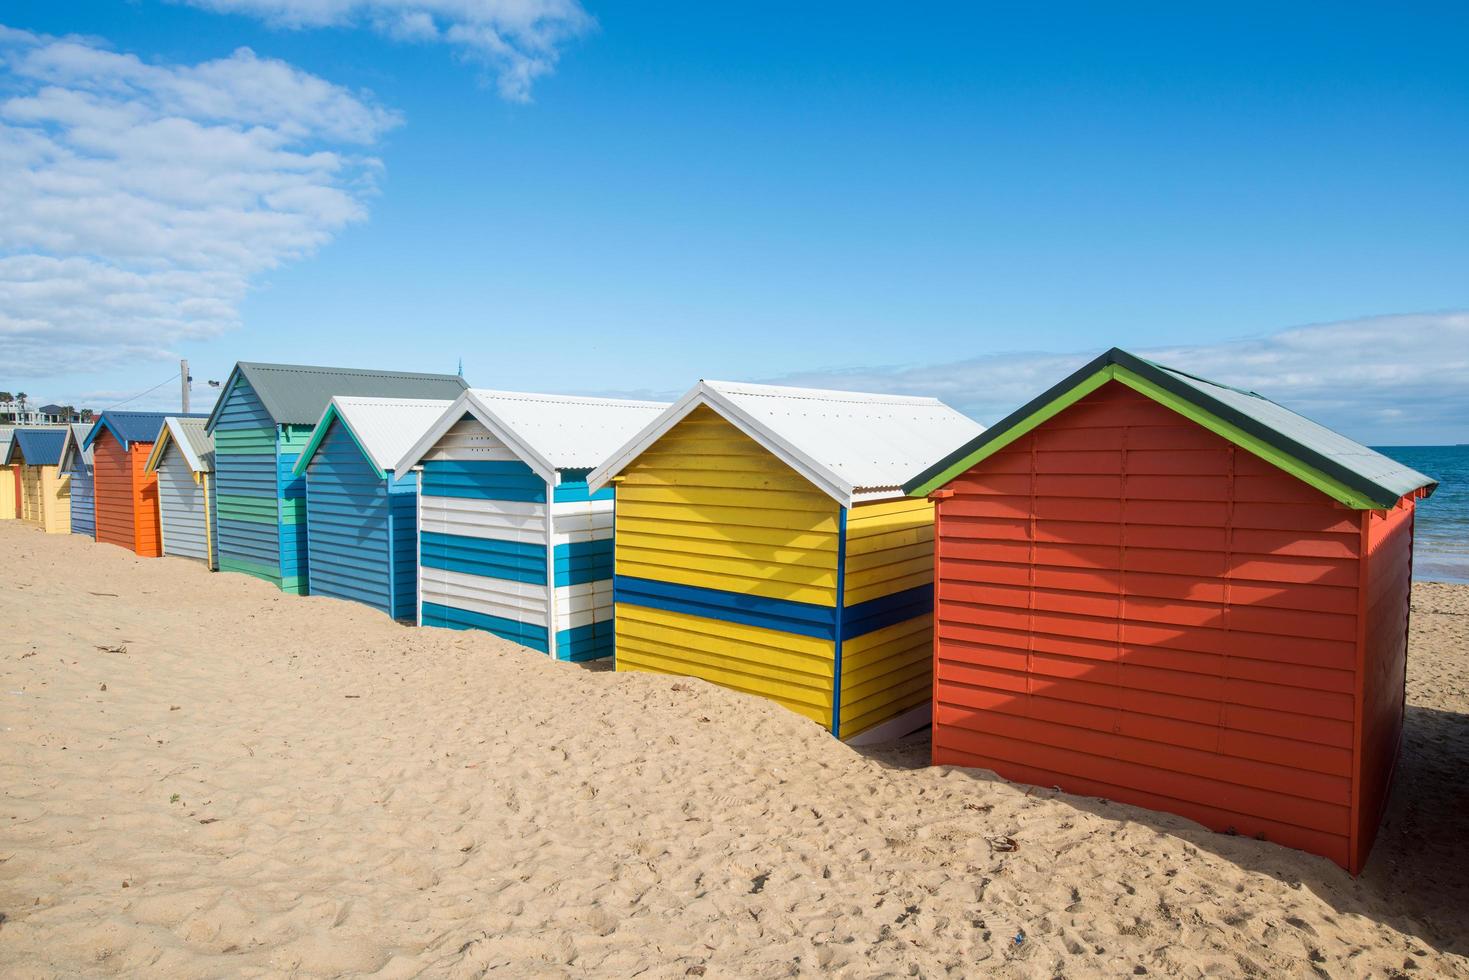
470,404
224,393
104,424
1278,449
820,476
170,435
334,414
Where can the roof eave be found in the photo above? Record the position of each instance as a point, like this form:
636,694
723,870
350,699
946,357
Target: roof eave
333,411
705,394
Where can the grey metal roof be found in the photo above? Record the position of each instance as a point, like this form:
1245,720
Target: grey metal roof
1369,465
297,394
1374,480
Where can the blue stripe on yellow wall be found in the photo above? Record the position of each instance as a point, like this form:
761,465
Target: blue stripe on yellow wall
801,618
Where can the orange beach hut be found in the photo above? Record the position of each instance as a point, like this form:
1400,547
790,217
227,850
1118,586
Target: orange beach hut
1177,594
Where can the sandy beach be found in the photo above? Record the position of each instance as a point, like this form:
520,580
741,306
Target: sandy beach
200,776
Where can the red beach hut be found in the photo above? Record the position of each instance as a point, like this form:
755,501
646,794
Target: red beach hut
1176,594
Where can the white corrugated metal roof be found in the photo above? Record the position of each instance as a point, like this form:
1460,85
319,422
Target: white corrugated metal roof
550,432
852,445
385,427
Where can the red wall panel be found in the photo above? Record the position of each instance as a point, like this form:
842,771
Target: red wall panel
112,483
1385,600
1130,606
126,496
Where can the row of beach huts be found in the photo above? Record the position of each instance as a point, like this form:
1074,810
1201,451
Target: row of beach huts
1141,585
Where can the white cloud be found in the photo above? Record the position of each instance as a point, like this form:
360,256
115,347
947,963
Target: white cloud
1381,380
140,200
520,40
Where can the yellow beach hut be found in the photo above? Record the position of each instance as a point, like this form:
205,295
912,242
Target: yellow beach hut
763,543
43,495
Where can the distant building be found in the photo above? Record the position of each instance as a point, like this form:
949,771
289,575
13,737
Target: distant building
12,413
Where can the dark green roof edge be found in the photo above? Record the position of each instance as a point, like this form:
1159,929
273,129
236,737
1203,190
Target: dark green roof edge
1377,493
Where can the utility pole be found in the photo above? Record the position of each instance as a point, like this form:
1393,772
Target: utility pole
184,380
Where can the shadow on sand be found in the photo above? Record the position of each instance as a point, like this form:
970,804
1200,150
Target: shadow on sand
1417,878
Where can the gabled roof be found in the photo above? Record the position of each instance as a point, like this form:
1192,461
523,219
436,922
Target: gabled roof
383,428
548,432
851,445
76,434
1339,467
37,447
187,433
297,394
129,427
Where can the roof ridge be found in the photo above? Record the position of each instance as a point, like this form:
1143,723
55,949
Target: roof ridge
820,394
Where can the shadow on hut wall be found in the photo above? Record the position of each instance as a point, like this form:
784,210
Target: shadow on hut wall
1417,878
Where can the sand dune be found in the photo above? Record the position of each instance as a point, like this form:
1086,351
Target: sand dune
200,776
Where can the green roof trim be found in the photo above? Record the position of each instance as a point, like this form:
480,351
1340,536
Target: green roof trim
1346,471
332,415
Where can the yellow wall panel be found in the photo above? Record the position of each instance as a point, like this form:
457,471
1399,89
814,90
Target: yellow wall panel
889,548
45,498
707,506
886,673
795,671
9,506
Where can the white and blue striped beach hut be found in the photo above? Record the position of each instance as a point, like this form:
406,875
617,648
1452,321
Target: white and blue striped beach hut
510,541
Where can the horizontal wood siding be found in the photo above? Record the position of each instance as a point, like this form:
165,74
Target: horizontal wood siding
581,533
1386,600
45,498
347,524
246,493
181,507
294,557
9,492
147,530
888,671
403,512
708,506
1130,607
708,509
83,508
112,474
482,538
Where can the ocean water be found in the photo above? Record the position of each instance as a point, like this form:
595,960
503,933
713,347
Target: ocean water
1441,525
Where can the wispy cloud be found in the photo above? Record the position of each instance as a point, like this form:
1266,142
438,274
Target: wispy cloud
1383,379
519,40
140,199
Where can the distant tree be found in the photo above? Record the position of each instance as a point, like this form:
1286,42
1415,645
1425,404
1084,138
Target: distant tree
20,399
86,415
67,413
6,398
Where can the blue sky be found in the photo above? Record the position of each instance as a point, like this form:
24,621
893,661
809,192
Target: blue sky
946,200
